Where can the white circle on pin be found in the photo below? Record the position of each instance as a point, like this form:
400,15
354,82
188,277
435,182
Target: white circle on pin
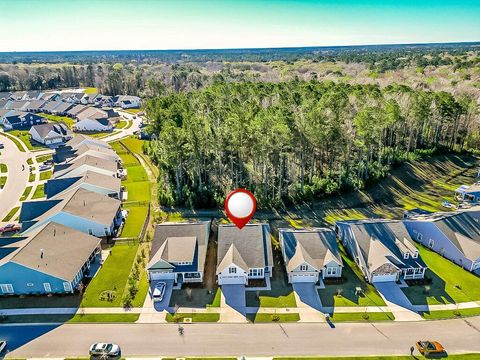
240,205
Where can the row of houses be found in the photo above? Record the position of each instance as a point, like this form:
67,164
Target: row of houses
384,250
60,237
92,112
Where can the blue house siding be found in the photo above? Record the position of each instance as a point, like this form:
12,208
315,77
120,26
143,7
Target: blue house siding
28,281
441,244
346,237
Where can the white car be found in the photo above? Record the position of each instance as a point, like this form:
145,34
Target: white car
159,291
44,167
3,345
102,349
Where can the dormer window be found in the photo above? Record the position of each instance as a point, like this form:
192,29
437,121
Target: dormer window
303,267
406,255
415,255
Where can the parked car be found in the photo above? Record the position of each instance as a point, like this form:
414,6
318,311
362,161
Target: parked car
159,291
9,228
429,347
3,345
2,146
447,204
104,349
44,167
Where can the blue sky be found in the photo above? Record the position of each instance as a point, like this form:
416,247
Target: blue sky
35,25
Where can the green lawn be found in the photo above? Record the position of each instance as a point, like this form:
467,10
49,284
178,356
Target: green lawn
39,192
45,175
271,317
133,111
26,192
31,177
11,214
134,223
136,174
16,141
196,317
450,314
450,283
344,294
361,316
134,144
121,124
3,181
104,318
90,90
3,168
55,118
42,158
24,136
112,276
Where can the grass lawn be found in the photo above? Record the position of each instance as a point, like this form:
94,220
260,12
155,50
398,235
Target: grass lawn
134,144
104,318
196,317
112,276
45,175
42,158
29,161
3,168
450,314
39,192
143,287
361,316
270,317
95,134
450,283
121,124
200,297
11,214
136,174
138,191
90,90
31,177
33,301
26,192
134,223
56,118
353,279
132,111
16,142
3,181
24,136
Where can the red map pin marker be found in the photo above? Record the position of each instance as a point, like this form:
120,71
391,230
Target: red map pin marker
240,205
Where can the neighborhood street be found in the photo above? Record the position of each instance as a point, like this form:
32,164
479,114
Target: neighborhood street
16,177
458,336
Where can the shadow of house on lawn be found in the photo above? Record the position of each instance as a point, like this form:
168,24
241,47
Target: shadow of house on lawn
436,289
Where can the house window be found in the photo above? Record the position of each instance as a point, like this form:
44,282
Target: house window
29,284
6,288
418,271
232,270
406,255
303,267
67,287
415,255
47,287
419,237
331,271
90,231
431,242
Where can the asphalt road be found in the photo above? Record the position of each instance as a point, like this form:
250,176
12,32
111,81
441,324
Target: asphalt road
16,178
458,336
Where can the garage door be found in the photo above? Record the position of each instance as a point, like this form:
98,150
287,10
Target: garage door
236,279
297,278
159,275
384,278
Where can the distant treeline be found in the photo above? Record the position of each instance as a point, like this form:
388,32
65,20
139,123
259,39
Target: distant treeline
294,141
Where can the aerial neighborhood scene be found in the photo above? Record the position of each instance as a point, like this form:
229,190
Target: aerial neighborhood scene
240,180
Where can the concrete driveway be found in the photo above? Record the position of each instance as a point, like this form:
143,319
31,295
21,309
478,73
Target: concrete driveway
307,295
401,307
234,295
161,305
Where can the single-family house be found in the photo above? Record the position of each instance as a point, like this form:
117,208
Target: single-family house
88,99
92,113
103,100
81,209
127,101
53,259
382,249
49,106
77,167
62,109
93,125
18,95
20,120
66,153
455,236
93,181
72,97
17,104
470,193
51,134
5,95
243,254
310,255
77,109
80,139
179,251
34,106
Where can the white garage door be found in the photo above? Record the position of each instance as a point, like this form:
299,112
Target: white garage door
159,275
299,278
384,278
231,279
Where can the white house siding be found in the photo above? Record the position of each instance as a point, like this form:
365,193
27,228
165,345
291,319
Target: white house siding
384,278
91,125
225,277
155,275
332,270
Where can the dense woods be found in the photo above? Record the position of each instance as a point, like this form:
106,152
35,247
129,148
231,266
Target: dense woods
295,141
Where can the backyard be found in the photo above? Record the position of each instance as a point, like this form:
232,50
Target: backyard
24,136
56,118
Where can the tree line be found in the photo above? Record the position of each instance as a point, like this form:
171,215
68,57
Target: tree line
295,141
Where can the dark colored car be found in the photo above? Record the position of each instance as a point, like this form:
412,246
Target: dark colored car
9,228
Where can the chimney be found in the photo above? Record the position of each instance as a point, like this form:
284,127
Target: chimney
41,253
84,203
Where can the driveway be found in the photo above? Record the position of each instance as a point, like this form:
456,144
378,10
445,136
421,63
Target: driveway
400,305
234,296
161,305
307,294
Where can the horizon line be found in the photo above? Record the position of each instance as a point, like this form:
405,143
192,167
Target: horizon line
251,48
